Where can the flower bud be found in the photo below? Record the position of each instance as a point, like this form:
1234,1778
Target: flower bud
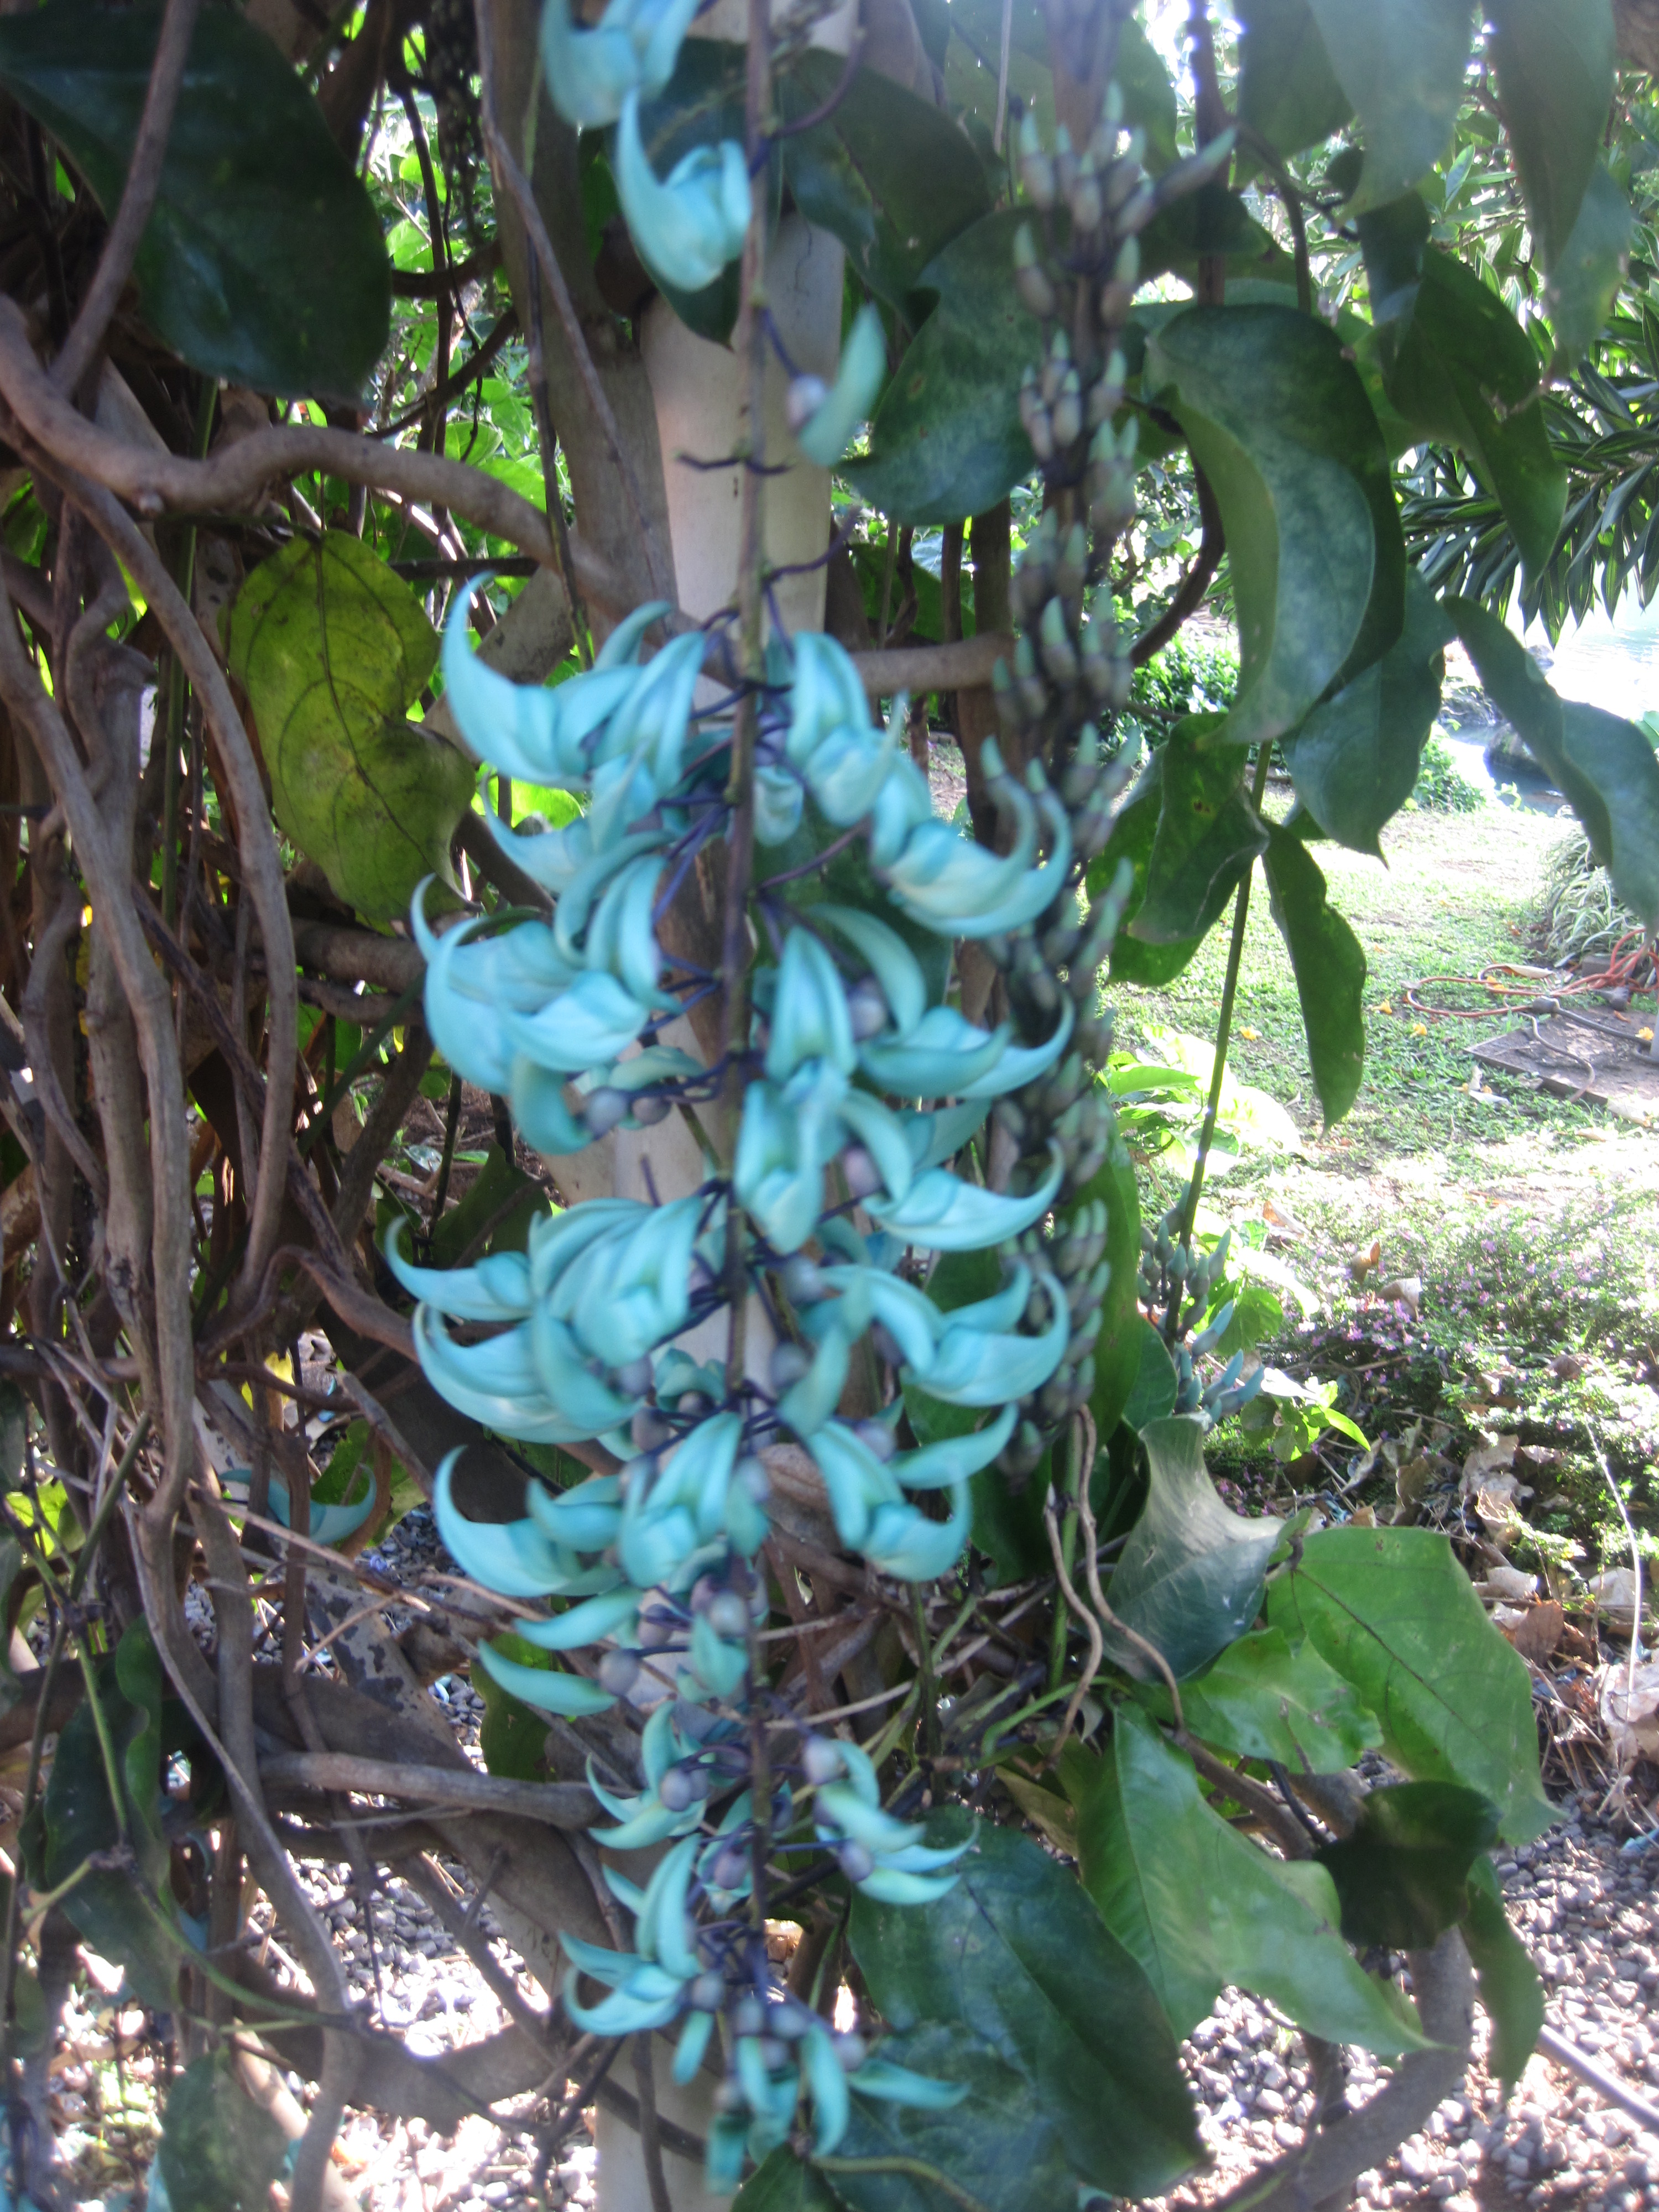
789,1362
857,1861
656,1628
649,1109
748,2016
678,1790
878,1435
728,1616
806,395
866,1008
635,1378
1031,281
1036,169
603,1108
1067,414
821,1759
863,1177
619,1672
803,1281
707,1993
729,1869
1085,198
1064,163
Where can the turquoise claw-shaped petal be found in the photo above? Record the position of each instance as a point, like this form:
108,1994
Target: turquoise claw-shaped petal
828,431
525,730
974,1368
584,1519
573,1696
541,1113
892,2084
826,2078
778,799
921,1859
942,1056
580,1397
687,226
858,1484
632,48
621,2013
717,1665
809,1020
595,1020
938,1137
841,1810
497,1288
893,964
889,1887
943,1214
553,859
689,2051
328,1524
901,1541
512,1557
1022,1064
941,1465
614,1613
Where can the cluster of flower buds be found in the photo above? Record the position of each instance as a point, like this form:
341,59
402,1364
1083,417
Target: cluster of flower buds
1176,1282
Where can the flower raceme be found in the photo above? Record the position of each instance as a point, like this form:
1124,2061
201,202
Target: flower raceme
862,1085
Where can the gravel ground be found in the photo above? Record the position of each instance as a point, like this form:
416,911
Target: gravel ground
1586,1908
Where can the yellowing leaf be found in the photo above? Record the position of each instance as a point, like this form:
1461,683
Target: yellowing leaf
331,648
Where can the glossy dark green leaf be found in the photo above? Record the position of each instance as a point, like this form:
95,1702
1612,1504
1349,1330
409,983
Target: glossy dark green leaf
1287,90
1266,1697
1403,1875
1153,1387
513,1735
784,2183
1205,1909
1017,1955
1511,1994
1553,60
262,262
1330,965
1001,2144
1392,238
1604,765
1190,1578
331,647
1393,1612
1134,835
1117,1348
219,2151
1401,63
1211,221
1464,370
888,173
1277,418
946,440
1208,835
1354,761
1584,282
487,1219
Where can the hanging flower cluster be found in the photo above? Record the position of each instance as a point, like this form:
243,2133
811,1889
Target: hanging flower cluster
861,1087
860,1150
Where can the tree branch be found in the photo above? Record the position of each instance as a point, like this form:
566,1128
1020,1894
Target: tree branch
137,196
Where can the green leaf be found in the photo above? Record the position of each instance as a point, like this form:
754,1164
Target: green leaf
784,2183
1117,1348
13,1434
79,1820
1190,1578
1584,282
1554,65
1392,1611
1134,835
946,439
1208,836
1330,971
220,2152
1505,1977
1355,760
1402,1875
1465,371
1002,2144
1288,93
262,262
1278,419
11,1561
489,1212
1604,765
1016,1955
1203,1908
1401,63
1266,1698
512,1737
331,647
1153,1390
889,173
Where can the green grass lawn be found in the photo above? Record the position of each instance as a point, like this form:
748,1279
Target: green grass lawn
1532,1222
